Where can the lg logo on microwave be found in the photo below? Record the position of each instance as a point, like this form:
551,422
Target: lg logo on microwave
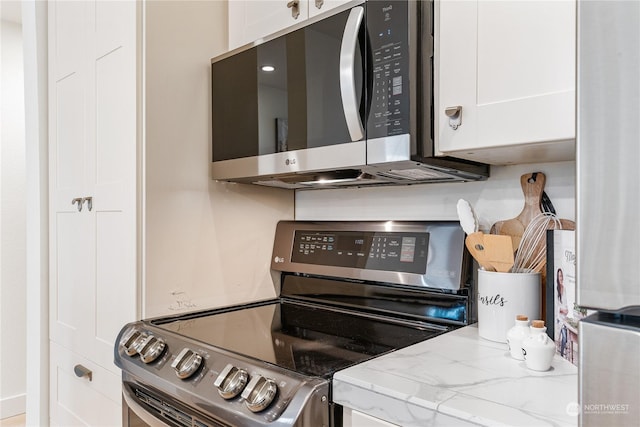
278,259
290,162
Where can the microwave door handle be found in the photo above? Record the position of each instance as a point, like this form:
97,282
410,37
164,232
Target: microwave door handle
347,74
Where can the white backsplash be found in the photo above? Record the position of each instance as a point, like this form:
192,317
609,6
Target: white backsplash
498,198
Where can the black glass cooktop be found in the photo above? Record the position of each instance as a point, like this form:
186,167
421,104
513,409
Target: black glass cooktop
304,338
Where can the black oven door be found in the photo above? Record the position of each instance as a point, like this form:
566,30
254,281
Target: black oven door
277,106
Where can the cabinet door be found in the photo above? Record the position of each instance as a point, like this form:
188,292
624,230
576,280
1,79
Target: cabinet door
353,418
93,152
112,174
511,67
92,158
78,401
250,20
71,265
316,7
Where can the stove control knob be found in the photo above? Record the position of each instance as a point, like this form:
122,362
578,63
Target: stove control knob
151,348
259,393
231,381
131,340
186,363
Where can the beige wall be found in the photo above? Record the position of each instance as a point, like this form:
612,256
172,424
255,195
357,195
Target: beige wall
205,243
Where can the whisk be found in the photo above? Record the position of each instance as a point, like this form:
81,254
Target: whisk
532,251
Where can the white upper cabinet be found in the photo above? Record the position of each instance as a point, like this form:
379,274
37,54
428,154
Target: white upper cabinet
317,7
510,66
250,20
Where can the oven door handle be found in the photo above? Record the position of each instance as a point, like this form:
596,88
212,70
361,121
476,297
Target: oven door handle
140,412
350,103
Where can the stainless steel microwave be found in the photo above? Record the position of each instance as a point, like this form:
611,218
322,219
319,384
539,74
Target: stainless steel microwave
340,100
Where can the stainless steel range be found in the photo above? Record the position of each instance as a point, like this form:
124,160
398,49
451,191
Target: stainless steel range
350,291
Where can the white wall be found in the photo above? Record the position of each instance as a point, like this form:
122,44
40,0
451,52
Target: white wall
498,198
12,224
34,26
206,244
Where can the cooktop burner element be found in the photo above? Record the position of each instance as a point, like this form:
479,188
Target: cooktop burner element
271,362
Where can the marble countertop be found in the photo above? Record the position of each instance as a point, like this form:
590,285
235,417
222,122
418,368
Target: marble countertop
459,379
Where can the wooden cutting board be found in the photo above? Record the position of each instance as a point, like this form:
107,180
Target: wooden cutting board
532,187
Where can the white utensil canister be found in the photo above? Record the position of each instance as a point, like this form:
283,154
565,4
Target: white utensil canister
502,296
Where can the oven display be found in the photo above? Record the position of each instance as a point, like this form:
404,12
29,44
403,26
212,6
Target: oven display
402,252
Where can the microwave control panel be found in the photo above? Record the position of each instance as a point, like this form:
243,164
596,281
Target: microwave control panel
387,24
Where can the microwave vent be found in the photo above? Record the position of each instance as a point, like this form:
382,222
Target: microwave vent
322,179
416,174
277,183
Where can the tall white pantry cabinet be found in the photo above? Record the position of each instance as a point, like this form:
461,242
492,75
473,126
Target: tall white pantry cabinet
137,227
93,215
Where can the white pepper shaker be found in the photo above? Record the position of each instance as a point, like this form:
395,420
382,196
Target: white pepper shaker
516,335
538,348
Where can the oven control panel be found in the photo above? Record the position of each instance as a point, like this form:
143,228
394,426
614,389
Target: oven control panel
388,251
428,254
212,377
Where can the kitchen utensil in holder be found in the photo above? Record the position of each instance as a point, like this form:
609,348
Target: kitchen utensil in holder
502,296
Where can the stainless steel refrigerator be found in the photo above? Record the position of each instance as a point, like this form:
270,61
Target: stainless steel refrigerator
608,211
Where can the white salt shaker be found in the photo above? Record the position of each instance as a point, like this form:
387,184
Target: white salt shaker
516,335
538,348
